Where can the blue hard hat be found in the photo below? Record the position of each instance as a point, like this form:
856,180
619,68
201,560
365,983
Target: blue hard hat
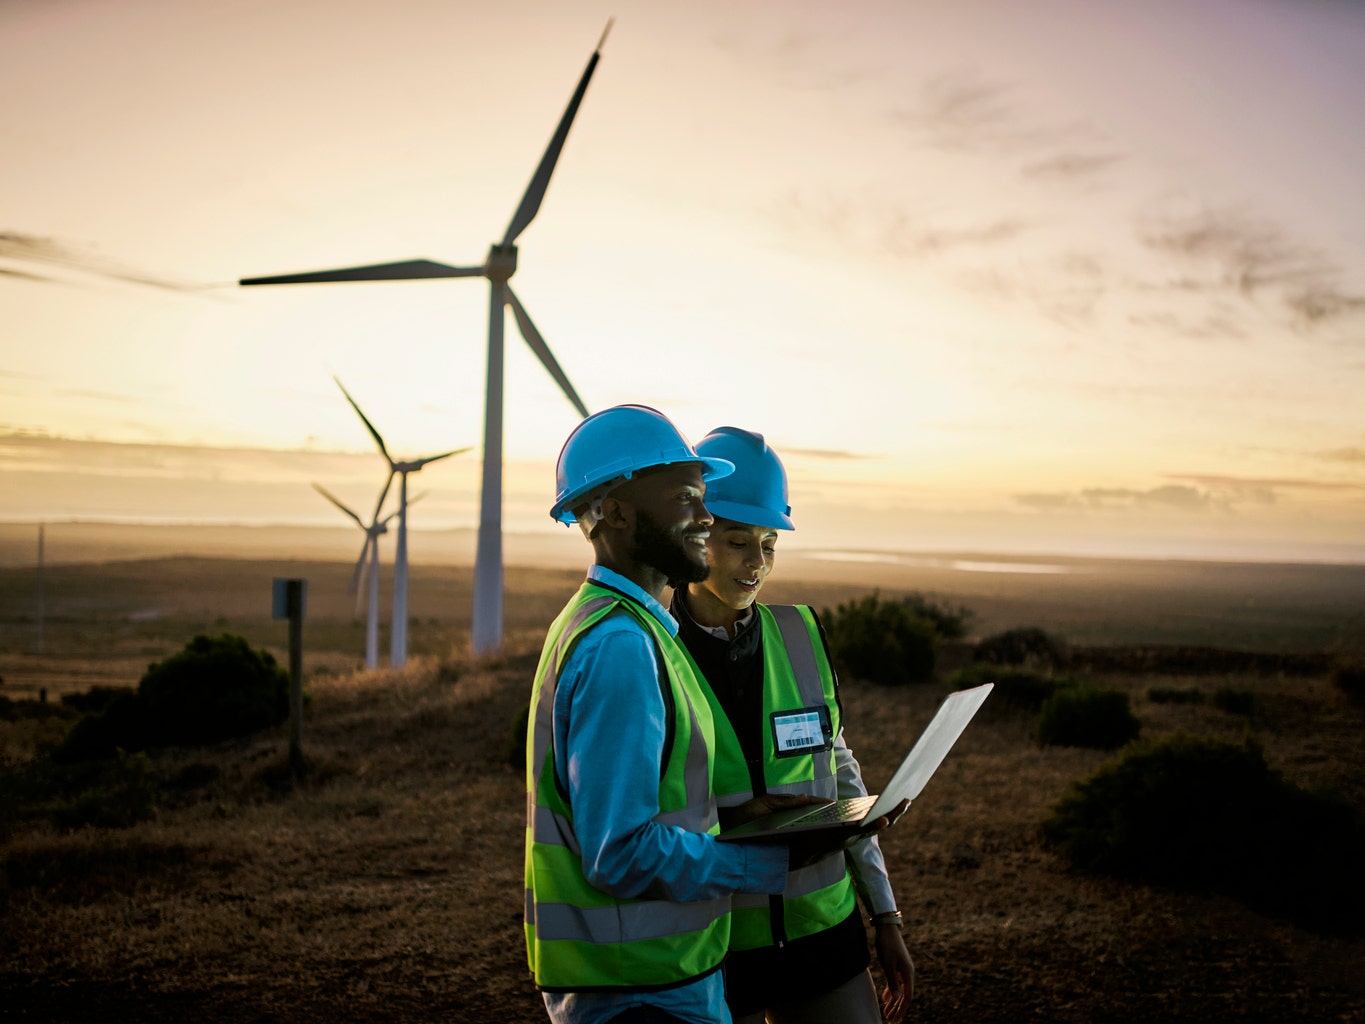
615,444
756,493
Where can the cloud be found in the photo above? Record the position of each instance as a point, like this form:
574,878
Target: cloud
1170,497
1352,455
1253,485
1230,251
827,454
1069,168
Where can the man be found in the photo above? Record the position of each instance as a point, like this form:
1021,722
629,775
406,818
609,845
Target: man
627,890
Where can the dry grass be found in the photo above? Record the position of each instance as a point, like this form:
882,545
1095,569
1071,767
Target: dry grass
372,891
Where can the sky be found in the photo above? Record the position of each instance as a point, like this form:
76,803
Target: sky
1059,277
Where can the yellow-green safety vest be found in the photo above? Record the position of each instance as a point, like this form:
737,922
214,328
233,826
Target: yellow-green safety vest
796,675
577,936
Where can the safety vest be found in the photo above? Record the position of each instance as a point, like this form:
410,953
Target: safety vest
796,676
577,936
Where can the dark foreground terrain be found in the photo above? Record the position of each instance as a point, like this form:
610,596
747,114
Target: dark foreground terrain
386,885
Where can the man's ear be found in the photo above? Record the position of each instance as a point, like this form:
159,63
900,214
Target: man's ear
617,514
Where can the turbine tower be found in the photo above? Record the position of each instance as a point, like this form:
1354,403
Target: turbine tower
370,550
498,268
398,640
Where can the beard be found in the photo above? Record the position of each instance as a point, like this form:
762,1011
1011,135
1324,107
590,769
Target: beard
665,551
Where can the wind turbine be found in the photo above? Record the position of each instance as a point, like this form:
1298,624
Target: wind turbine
498,267
370,548
398,639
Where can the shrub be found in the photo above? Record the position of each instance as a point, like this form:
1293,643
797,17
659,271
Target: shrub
121,725
949,622
1234,702
126,798
97,698
1080,716
880,641
1350,680
214,689
1028,646
1175,695
514,740
1203,814
1017,688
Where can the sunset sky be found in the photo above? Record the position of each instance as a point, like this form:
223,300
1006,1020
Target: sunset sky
1058,276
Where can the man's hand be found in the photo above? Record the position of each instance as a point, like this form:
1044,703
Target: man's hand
730,817
805,848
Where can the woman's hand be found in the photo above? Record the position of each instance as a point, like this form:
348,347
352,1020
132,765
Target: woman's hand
898,969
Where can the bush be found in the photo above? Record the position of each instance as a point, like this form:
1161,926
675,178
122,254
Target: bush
880,641
97,698
1017,688
1203,814
1028,646
122,725
1175,695
949,622
1080,716
1350,680
514,740
1234,702
214,689
126,799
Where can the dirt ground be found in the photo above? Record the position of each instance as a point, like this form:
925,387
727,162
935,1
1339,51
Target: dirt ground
387,886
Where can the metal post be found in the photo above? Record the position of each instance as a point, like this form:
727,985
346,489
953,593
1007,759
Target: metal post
295,601
42,610
289,603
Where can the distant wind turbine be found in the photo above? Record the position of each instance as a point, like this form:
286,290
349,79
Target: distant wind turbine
368,551
501,264
398,639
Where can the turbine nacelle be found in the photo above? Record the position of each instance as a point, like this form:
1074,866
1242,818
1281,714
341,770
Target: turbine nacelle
501,263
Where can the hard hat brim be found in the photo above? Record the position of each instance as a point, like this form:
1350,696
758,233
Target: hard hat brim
750,515
711,469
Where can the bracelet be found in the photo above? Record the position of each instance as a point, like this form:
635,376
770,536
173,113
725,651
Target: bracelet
894,917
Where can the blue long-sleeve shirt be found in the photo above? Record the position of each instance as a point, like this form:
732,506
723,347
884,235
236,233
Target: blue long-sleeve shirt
609,735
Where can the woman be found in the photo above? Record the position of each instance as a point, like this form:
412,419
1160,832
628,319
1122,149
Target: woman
802,956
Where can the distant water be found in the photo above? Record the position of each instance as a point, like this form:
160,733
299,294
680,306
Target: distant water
930,562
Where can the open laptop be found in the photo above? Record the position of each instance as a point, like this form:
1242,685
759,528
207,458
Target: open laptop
906,784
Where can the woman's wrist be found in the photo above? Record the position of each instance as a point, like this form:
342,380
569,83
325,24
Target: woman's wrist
891,917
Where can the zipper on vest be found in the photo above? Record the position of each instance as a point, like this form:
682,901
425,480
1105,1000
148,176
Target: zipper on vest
778,918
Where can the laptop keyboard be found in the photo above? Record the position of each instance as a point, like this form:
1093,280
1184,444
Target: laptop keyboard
830,814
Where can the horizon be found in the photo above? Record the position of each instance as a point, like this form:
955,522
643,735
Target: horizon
116,540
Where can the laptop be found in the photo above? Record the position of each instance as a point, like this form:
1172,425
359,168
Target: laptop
906,784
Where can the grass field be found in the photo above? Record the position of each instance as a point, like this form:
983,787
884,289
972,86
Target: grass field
370,892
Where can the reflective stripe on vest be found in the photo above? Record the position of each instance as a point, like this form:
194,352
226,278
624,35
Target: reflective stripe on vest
796,673
579,937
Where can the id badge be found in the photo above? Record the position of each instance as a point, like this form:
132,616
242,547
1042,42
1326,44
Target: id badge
801,731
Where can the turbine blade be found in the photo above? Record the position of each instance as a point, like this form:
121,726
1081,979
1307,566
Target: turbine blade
417,464
360,564
542,351
368,426
407,270
335,501
378,505
535,191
